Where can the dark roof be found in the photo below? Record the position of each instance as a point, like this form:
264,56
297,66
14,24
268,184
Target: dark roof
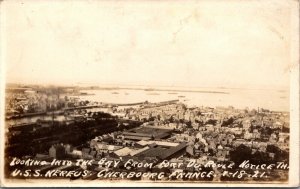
161,152
137,134
162,135
167,153
153,152
137,137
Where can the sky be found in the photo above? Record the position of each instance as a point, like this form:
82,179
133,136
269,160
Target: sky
155,43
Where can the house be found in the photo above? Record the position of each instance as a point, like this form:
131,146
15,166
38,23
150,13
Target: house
190,150
123,152
248,135
57,151
283,137
77,153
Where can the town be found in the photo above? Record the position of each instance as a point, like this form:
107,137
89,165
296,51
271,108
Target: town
53,125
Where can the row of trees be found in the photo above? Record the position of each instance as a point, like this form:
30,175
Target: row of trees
242,153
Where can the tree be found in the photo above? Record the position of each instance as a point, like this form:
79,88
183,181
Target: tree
211,121
273,149
227,122
241,153
260,157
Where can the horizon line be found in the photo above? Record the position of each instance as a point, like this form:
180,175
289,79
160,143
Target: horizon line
147,86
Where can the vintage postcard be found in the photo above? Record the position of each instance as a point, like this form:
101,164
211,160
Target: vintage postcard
149,93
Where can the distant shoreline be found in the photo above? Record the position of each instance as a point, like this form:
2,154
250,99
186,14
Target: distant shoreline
153,89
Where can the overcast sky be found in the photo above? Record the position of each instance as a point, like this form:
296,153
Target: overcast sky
171,43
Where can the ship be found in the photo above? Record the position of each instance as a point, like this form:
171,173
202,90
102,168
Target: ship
153,94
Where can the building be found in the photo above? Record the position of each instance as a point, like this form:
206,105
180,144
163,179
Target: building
57,151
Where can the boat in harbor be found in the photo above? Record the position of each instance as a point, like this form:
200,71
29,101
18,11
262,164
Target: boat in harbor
153,94
149,89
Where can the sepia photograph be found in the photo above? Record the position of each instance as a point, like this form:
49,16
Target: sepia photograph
149,93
